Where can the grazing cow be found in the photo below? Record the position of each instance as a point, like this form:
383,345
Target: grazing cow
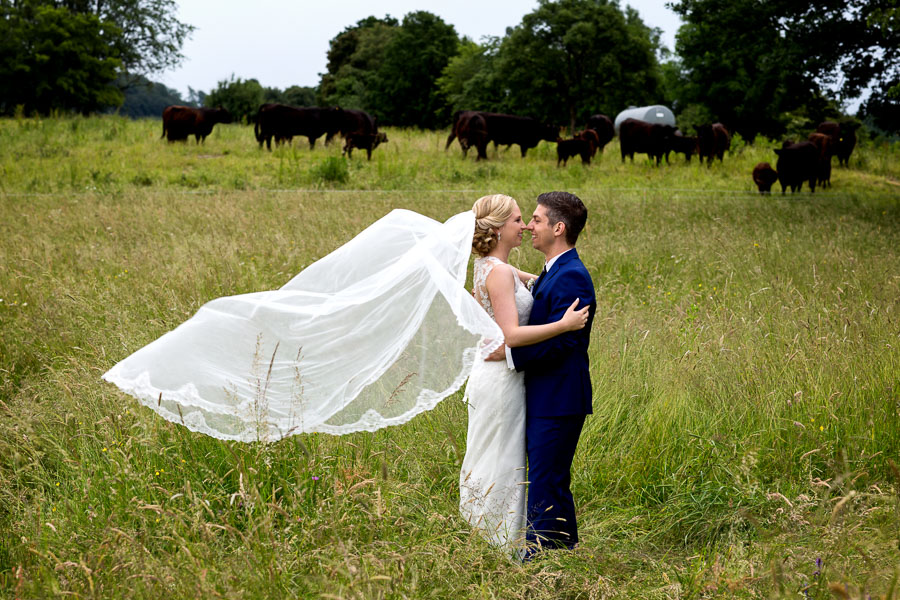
565,149
797,163
459,116
356,121
681,144
712,142
603,125
506,130
590,136
764,176
471,129
180,122
284,122
843,138
641,137
363,141
824,146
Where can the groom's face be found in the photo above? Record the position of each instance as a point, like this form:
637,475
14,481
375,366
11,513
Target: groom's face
542,233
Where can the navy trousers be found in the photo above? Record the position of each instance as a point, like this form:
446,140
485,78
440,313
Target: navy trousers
551,443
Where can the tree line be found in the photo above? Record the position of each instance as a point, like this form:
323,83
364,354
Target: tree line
760,66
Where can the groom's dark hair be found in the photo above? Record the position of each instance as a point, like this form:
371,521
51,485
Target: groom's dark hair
565,207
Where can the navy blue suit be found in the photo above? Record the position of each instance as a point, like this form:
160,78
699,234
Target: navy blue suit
557,398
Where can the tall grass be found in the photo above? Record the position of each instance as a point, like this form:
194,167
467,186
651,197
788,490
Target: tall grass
744,360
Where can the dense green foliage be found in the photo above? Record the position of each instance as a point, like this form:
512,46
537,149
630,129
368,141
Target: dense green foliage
76,55
751,63
53,59
144,98
574,58
745,361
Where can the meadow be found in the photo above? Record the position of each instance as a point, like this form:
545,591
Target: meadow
745,358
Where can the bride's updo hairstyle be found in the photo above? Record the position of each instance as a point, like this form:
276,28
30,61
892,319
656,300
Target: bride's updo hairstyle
491,212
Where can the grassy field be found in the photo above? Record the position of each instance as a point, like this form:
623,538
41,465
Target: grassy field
745,360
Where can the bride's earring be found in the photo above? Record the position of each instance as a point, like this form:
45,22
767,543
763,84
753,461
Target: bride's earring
498,236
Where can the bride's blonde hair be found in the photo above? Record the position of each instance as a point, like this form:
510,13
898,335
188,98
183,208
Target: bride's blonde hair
491,212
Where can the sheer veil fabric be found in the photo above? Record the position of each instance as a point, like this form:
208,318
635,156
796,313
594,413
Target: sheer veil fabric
369,336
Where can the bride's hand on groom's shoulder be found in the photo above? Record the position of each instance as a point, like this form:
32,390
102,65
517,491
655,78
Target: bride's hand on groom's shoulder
575,318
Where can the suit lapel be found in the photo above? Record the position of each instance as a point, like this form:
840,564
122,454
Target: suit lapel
554,270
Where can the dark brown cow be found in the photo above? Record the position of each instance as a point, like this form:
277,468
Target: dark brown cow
641,137
682,144
764,176
843,138
566,149
712,142
506,130
590,136
458,117
356,121
603,125
363,141
180,122
797,163
283,122
823,170
471,129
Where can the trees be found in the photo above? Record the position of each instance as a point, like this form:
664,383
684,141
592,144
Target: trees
51,59
751,61
65,54
572,58
405,92
239,97
354,56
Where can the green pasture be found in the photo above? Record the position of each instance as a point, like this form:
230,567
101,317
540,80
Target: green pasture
745,360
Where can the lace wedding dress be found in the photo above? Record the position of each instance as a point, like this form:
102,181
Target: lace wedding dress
492,482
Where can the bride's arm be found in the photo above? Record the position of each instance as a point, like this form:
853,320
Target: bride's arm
524,277
502,291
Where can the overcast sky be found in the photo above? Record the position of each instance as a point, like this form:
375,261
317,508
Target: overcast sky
283,42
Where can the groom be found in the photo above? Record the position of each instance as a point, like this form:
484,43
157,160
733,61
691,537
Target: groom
557,379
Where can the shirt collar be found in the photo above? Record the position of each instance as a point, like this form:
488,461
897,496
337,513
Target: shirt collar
550,262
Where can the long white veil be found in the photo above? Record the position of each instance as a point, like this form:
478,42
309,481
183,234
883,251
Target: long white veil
371,335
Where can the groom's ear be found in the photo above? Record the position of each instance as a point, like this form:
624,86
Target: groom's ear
559,229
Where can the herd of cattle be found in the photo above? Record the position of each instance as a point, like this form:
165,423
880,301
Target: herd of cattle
805,161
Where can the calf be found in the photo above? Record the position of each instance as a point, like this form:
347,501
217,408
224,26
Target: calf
363,141
682,144
797,163
764,176
712,142
823,170
566,149
591,137
603,126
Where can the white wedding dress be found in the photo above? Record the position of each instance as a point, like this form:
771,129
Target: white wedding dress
492,483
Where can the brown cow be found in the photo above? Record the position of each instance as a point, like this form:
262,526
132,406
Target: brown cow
712,142
764,176
180,122
823,170
363,141
843,138
590,136
603,125
566,149
641,137
682,144
797,163
283,122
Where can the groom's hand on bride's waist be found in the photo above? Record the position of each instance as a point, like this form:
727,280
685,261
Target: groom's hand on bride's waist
498,354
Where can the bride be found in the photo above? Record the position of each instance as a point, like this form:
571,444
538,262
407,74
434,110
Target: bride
370,336
493,477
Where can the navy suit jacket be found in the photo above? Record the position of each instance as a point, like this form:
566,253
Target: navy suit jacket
557,376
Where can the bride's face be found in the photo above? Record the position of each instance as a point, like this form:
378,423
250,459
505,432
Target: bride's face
513,228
